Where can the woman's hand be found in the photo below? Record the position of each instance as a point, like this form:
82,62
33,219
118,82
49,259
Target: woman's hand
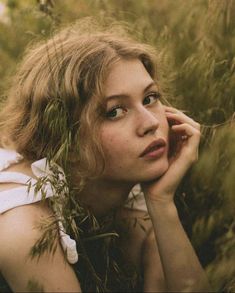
184,138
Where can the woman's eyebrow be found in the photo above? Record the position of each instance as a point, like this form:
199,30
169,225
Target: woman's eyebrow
149,86
124,96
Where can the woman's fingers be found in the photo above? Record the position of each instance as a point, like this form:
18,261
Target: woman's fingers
183,125
180,117
186,129
190,140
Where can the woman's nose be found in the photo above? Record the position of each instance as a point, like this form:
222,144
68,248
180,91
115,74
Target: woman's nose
148,122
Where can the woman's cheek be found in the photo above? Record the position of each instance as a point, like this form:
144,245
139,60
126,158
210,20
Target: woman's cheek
109,140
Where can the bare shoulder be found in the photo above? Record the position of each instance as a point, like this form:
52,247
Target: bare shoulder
19,232
19,226
20,229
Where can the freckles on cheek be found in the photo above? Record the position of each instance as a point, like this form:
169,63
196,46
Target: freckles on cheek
113,144
109,136
108,141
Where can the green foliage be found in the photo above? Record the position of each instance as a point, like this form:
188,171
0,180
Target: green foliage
196,43
214,224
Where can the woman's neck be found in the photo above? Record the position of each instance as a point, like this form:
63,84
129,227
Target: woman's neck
103,196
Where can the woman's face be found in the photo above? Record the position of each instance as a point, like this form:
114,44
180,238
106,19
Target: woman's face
134,132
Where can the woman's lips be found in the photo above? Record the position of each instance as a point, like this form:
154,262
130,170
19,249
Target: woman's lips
155,149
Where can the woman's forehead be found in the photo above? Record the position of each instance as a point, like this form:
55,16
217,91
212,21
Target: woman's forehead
126,76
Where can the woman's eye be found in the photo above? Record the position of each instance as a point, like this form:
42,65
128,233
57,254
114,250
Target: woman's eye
151,98
116,112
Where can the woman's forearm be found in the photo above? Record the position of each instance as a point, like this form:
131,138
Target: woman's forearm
182,269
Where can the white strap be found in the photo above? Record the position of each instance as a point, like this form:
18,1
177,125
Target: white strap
14,177
19,196
136,199
68,244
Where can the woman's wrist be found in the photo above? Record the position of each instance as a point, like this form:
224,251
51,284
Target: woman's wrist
161,205
161,201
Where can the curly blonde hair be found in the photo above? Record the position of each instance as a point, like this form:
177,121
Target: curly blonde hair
54,105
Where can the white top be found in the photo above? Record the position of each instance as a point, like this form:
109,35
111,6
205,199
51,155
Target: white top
24,195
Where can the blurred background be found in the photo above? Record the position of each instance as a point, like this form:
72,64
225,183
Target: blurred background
196,44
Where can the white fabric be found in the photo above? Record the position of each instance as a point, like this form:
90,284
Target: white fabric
136,199
14,177
22,195
19,196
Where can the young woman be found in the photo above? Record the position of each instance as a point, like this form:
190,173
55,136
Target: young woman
83,123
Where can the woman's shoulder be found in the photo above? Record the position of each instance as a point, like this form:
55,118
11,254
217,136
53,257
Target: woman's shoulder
20,227
19,218
20,230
